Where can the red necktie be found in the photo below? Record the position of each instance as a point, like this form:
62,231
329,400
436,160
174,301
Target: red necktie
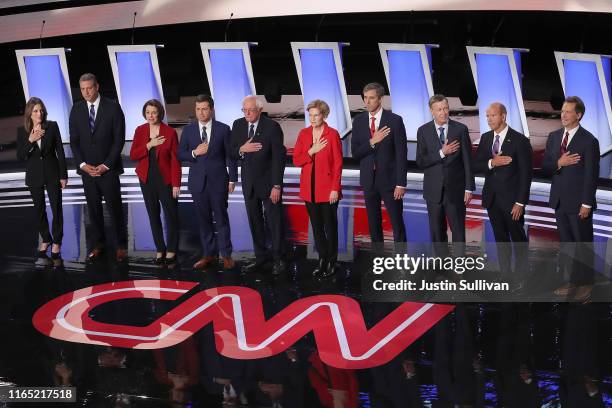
564,143
372,126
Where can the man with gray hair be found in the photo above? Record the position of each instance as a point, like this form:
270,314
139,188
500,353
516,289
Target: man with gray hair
257,142
444,153
379,143
97,136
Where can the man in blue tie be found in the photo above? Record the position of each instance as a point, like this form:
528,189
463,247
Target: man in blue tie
97,136
444,153
205,145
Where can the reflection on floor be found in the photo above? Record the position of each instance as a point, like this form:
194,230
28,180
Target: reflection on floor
514,355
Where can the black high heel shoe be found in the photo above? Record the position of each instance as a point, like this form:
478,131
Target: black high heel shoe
160,260
42,259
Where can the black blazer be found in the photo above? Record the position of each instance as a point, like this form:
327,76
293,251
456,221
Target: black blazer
390,156
261,170
44,165
453,174
573,185
105,143
508,184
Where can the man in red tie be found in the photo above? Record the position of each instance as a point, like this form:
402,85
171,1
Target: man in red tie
572,159
379,143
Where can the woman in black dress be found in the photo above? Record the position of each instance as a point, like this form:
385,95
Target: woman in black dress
39,144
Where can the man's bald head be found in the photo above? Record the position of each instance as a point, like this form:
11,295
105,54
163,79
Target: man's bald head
496,116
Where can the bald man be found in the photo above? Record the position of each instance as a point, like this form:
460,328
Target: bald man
504,156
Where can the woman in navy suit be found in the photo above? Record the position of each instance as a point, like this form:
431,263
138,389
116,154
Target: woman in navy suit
154,147
40,146
318,152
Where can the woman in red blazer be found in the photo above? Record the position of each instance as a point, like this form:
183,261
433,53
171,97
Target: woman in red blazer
159,171
318,152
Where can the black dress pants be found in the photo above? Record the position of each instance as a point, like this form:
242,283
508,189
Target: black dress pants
324,221
55,200
155,193
108,187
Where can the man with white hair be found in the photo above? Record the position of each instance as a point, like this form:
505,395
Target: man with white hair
257,142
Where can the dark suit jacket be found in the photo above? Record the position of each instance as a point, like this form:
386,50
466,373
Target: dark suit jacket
168,164
573,185
263,169
453,174
209,169
390,156
105,143
44,165
508,184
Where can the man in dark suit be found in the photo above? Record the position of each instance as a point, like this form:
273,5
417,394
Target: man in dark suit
444,153
97,136
205,144
379,143
258,142
504,156
572,159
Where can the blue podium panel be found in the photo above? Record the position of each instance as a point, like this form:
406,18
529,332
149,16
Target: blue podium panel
588,76
44,74
319,69
137,79
408,71
497,74
230,77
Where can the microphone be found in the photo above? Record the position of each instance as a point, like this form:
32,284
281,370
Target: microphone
42,27
229,22
133,25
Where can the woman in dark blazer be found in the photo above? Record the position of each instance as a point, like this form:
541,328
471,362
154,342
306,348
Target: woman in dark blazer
318,152
154,147
39,144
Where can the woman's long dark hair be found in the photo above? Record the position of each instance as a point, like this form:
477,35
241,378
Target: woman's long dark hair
27,114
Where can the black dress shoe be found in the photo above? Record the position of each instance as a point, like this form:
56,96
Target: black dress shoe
94,255
321,267
279,267
330,270
253,267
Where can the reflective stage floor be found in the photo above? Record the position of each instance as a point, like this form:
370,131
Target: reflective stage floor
264,341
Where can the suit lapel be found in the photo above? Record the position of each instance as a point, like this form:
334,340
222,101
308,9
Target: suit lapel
571,143
507,141
260,128
99,114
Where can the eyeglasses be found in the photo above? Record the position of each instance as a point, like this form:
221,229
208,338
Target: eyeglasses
251,110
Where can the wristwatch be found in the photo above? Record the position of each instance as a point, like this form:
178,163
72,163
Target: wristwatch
276,186
372,145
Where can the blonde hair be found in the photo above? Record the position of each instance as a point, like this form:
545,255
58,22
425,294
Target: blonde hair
322,106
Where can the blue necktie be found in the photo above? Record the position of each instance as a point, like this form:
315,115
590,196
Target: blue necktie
252,131
204,135
92,117
441,129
